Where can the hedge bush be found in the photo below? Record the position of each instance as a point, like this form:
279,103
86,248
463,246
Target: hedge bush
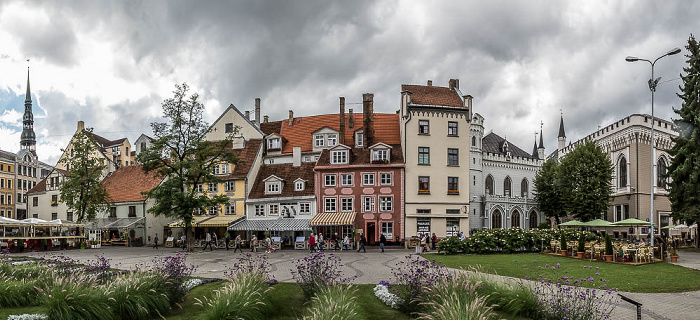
514,240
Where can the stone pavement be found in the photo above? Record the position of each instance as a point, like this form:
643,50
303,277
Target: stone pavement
374,266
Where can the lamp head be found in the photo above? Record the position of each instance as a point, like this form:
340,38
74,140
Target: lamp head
674,51
631,59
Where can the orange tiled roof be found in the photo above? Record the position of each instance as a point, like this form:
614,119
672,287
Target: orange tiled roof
299,134
289,173
434,96
39,187
127,183
246,157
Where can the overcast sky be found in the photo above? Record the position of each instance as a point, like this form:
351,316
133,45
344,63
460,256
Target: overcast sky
111,64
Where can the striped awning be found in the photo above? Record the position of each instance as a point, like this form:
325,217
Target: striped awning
333,219
195,221
293,224
125,223
220,221
252,225
280,224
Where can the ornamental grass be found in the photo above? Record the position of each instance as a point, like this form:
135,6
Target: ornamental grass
455,298
245,296
14,293
138,296
333,303
67,299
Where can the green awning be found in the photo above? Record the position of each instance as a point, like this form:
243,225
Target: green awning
631,222
572,223
598,223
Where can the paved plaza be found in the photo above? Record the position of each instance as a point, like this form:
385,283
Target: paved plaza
374,266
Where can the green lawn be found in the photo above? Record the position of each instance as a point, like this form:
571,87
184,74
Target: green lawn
657,277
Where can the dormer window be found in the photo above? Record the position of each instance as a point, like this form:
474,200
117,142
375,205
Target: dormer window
299,185
318,140
272,187
359,137
273,144
339,157
332,140
380,155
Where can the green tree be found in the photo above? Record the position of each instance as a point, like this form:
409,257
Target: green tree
684,170
585,178
549,196
82,190
184,159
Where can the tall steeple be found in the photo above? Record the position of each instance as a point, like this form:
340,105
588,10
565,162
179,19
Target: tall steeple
540,149
562,136
28,138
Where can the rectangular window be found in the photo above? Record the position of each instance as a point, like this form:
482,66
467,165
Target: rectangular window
452,227
273,187
216,169
112,212
9,199
54,215
224,168
424,155
230,209
273,144
213,187
368,179
422,211
423,127
452,185
69,216
273,209
299,186
214,211
330,205
330,180
35,201
346,179
132,211
452,211
388,230
304,208
452,128
359,137
229,128
259,210
380,155
200,188
332,140
424,185
339,157
423,225
230,185
452,157
368,203
54,200
385,178
385,204
346,204
318,140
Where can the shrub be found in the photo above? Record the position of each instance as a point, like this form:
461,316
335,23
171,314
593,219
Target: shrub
318,271
333,303
138,296
173,271
608,245
411,276
455,298
450,245
562,241
514,240
243,297
581,243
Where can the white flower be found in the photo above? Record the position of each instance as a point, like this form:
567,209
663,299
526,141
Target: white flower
191,284
27,316
382,293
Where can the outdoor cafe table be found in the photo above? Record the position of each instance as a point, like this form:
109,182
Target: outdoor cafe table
635,251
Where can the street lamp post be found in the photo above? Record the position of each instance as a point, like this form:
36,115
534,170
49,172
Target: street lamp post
652,87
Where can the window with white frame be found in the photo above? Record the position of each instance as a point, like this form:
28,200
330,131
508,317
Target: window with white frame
318,140
423,127
359,137
213,187
385,178
346,204
273,209
388,229
230,185
272,187
273,143
368,179
329,180
452,128
368,203
304,208
259,210
224,168
299,186
380,155
346,179
216,168
332,139
230,209
385,204
200,188
214,211
339,157
330,205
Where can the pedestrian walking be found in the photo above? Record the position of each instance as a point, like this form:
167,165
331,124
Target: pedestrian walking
183,239
237,244
346,243
268,245
423,239
312,243
207,242
382,241
321,242
215,240
254,244
362,243
227,239
336,241
434,240
155,242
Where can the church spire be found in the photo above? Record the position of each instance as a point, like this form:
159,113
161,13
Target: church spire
28,138
561,128
541,140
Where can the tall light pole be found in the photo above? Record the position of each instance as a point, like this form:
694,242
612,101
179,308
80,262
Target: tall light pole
652,87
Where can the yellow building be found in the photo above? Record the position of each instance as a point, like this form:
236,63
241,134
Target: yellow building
7,185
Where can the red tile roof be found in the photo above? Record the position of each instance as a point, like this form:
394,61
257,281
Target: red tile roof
434,96
299,134
127,183
289,173
39,187
270,127
246,158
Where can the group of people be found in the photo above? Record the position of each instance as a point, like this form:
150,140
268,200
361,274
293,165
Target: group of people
317,242
427,242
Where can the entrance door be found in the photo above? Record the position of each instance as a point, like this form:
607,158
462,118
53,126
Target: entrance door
371,233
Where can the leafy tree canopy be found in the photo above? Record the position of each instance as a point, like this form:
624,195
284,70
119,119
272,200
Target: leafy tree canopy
549,196
585,180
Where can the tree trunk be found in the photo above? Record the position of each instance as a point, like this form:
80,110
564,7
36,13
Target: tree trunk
190,239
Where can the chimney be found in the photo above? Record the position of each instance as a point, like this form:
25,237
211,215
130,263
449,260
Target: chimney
368,118
81,126
247,115
291,117
351,119
342,121
257,111
468,105
266,119
454,84
430,83
296,156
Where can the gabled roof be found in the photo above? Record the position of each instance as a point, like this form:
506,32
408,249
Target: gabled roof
492,143
287,172
380,145
232,107
127,183
359,156
433,96
273,177
246,158
39,187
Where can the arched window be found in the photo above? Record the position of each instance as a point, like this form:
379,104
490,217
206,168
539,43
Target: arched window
496,220
489,185
523,188
515,219
507,187
473,141
661,171
533,220
622,173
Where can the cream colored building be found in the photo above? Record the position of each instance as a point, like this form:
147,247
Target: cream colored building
43,200
435,123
